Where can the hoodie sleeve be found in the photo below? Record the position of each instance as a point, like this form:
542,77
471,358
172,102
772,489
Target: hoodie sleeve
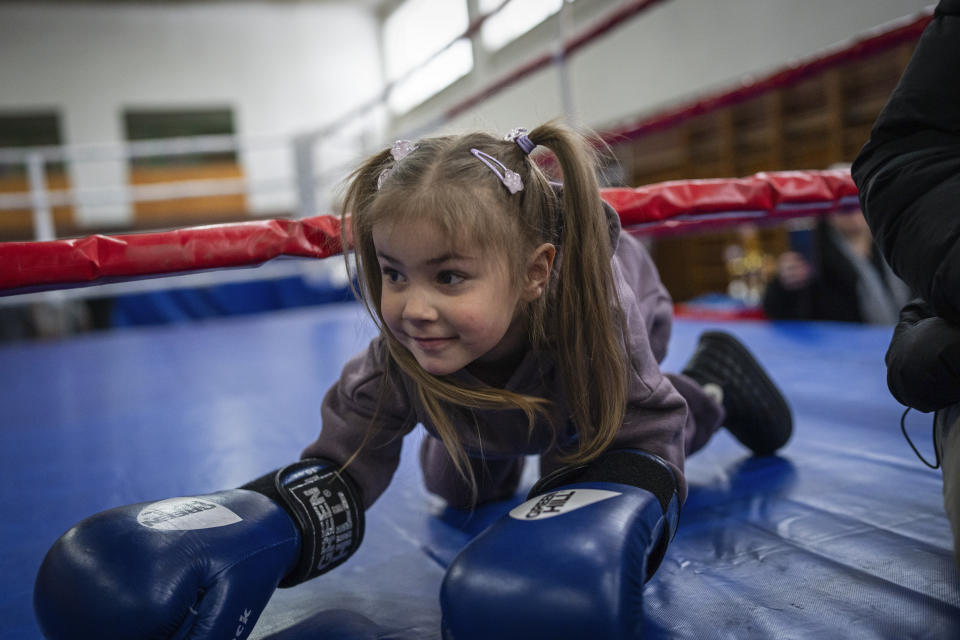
657,417
366,412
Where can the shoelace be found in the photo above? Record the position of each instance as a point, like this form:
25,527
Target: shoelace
936,451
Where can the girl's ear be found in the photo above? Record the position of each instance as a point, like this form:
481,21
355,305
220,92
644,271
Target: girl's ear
539,267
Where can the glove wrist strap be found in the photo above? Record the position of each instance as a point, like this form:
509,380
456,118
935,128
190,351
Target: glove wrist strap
327,508
630,467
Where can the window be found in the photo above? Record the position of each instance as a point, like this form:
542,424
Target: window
144,124
163,171
29,129
411,35
32,128
516,18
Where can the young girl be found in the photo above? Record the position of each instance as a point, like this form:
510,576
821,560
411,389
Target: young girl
517,318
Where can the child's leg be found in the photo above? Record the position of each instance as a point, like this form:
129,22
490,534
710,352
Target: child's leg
756,412
705,417
706,412
496,479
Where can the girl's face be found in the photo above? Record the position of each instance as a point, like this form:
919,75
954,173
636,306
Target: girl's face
450,306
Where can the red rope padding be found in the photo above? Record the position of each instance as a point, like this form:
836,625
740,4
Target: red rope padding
656,208
34,266
684,205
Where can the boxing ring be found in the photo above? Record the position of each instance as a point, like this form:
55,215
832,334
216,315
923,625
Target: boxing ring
841,535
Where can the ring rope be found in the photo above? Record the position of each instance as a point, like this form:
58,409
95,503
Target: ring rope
666,207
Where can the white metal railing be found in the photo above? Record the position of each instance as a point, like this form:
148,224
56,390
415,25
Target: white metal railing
188,145
40,199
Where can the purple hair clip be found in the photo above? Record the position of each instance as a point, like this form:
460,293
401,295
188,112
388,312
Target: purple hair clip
400,150
510,179
519,136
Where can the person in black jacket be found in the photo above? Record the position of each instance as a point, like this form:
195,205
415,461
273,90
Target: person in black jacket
908,175
842,279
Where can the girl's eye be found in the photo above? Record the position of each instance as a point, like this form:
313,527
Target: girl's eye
450,277
392,275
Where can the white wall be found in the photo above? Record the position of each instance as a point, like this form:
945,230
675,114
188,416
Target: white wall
283,67
286,67
672,52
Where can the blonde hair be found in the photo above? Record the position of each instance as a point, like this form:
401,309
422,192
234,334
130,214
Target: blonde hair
578,318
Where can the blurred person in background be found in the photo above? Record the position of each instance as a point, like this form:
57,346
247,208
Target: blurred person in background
835,273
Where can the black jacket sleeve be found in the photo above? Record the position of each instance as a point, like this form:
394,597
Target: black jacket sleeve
908,173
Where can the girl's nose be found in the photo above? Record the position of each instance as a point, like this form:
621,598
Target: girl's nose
418,308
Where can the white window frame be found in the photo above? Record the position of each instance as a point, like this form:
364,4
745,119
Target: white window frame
426,26
514,20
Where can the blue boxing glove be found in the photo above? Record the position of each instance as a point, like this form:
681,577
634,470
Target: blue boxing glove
571,561
198,567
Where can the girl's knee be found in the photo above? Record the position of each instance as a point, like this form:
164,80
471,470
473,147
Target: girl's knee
495,479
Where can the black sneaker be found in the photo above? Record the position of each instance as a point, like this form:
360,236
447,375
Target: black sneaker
757,413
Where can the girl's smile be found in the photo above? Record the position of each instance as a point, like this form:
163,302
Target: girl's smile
433,344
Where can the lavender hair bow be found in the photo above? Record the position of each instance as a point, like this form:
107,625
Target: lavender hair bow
519,136
400,150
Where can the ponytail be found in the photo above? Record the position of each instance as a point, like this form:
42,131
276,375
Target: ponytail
588,335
